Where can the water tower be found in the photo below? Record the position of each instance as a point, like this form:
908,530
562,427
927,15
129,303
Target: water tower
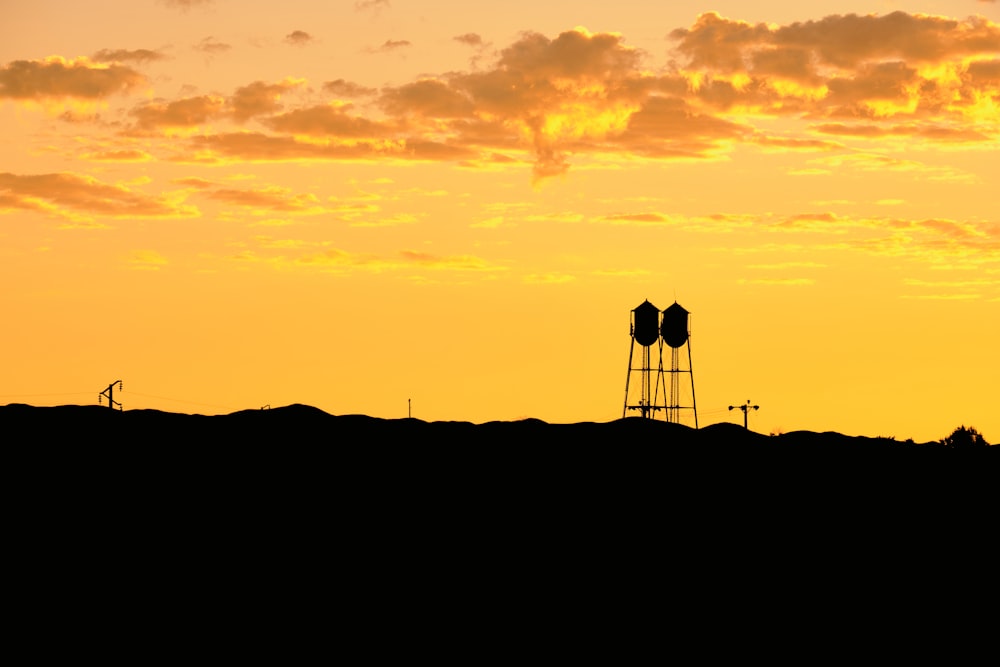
645,331
676,334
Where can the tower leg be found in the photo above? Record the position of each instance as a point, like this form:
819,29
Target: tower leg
694,403
631,349
645,382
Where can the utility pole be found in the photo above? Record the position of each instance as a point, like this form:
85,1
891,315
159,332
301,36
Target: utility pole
745,408
109,394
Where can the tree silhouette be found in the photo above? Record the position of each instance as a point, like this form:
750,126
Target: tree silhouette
965,438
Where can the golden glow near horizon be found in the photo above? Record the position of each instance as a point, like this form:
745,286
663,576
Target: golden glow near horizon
379,204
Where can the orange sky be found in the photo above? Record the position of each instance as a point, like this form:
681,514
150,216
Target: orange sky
354,205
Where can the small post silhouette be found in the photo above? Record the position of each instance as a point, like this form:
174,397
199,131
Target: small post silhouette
109,393
745,408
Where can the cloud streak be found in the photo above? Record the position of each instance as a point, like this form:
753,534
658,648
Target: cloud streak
58,77
79,197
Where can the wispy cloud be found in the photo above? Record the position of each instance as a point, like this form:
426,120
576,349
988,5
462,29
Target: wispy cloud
118,155
147,260
391,45
76,196
141,56
212,47
268,200
289,253
343,88
185,5
371,5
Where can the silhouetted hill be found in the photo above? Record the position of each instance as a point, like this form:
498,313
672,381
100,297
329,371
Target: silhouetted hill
297,425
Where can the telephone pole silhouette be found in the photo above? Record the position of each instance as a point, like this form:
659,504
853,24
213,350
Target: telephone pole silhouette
109,394
745,408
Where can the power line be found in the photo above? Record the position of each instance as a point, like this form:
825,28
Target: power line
109,393
745,408
50,393
180,400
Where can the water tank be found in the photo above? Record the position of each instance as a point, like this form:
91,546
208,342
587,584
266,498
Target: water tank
646,323
674,327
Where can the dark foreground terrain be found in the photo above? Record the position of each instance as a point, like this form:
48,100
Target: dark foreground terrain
301,467
315,440
302,424
297,425
295,516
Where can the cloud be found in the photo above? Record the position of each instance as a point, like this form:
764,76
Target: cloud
780,282
343,261
670,127
837,41
194,182
254,99
76,196
427,97
716,223
329,121
450,262
577,87
57,77
259,98
580,96
929,131
391,45
975,243
371,5
815,222
846,66
298,38
874,162
783,144
343,88
147,260
141,56
985,73
209,46
267,199
119,155
259,147
781,266
185,5
469,38
380,221
637,219
183,113
548,278
942,242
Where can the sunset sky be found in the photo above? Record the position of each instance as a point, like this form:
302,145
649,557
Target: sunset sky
453,207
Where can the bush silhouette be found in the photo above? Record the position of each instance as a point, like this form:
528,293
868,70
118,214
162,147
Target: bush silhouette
965,438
